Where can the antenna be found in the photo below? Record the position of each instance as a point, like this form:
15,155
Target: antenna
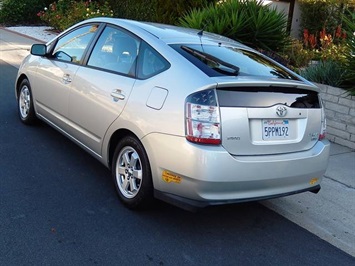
200,34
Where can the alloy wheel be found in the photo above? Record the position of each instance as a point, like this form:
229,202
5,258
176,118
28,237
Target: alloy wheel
129,172
24,101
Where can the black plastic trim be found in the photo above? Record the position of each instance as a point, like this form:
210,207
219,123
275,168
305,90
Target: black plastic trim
194,205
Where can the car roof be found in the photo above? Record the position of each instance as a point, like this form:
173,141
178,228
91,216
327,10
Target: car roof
171,34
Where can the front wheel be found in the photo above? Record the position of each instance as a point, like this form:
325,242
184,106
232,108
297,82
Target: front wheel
131,173
25,103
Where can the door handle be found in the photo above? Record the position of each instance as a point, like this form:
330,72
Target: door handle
66,78
117,95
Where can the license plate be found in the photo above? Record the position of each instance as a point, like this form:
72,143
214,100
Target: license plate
276,129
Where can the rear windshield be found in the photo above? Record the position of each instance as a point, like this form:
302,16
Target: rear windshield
217,60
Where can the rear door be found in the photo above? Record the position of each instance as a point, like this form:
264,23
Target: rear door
269,119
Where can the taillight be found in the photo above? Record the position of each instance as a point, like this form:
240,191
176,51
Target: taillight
202,118
323,123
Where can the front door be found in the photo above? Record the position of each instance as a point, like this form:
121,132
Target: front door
101,89
56,73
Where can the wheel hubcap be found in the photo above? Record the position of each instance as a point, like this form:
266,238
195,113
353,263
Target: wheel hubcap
129,172
24,101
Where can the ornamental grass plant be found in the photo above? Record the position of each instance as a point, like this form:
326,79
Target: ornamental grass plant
325,72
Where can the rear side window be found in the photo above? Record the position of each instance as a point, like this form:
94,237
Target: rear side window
72,46
150,62
218,60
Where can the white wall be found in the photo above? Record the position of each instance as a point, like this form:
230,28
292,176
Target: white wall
295,26
284,8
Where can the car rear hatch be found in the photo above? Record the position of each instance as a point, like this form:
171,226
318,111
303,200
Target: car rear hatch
267,117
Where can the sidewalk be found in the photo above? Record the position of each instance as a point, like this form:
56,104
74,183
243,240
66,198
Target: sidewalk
330,214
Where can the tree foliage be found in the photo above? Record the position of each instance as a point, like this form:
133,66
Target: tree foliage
317,15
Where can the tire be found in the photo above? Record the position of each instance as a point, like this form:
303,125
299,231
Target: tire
25,104
131,173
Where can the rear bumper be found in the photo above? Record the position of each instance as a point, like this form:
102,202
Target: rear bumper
192,205
208,175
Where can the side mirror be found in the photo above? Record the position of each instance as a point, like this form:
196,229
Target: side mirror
39,49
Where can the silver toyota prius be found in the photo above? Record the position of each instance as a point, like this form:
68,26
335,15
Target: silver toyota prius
182,115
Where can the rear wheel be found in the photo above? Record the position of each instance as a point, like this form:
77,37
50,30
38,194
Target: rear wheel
131,173
25,103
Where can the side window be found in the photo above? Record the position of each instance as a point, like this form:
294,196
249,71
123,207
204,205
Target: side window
150,62
71,47
116,51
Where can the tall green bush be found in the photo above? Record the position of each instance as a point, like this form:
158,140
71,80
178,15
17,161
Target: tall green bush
317,15
143,10
65,13
169,12
161,11
21,12
248,21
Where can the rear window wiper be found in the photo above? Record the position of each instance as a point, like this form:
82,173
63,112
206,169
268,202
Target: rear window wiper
223,67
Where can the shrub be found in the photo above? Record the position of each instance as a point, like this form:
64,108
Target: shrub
327,46
169,12
297,55
326,72
316,15
161,11
247,21
64,13
21,12
143,10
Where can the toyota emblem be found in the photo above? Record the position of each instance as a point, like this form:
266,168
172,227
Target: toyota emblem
281,111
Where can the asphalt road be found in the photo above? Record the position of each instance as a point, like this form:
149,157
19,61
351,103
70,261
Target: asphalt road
58,206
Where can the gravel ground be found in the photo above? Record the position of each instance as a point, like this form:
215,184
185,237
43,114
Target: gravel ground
42,33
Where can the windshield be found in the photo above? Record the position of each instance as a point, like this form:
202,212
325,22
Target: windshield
217,60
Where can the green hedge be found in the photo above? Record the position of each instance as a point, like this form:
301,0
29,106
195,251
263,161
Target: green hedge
161,11
21,12
62,14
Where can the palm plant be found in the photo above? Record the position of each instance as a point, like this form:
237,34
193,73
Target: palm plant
247,21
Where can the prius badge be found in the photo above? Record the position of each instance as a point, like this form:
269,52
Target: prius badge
281,111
